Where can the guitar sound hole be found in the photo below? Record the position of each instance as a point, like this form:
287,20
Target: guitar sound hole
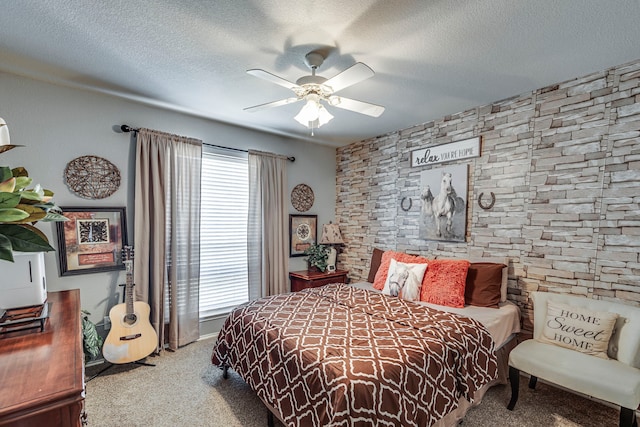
130,319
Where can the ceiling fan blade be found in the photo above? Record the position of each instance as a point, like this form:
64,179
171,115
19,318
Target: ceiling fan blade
272,78
352,75
271,104
372,110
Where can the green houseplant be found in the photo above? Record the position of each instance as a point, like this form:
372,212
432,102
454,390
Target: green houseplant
22,206
91,341
317,256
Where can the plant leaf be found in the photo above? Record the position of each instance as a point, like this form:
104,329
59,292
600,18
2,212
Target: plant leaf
6,251
54,217
22,182
30,195
8,186
14,215
5,173
36,231
25,238
92,342
9,200
19,171
35,213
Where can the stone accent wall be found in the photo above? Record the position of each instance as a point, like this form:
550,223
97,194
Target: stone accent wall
564,165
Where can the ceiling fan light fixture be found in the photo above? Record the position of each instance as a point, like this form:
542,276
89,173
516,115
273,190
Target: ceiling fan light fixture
312,89
324,116
308,113
313,114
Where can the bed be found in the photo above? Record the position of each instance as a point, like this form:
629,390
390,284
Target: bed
348,355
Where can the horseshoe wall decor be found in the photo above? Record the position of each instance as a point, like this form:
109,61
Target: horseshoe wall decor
490,205
402,204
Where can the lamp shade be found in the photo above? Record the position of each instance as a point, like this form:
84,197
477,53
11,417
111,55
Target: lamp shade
313,114
324,116
331,235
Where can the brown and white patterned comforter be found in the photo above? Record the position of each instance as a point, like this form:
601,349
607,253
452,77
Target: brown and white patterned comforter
343,356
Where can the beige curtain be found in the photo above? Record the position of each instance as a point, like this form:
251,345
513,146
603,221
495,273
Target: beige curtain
167,233
268,246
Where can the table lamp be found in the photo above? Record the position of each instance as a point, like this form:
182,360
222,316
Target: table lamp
331,236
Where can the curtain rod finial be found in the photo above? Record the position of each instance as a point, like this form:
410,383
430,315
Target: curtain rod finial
127,128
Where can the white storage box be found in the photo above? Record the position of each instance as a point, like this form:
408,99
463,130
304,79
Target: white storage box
23,282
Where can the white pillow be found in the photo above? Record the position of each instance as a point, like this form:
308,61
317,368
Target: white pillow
578,328
404,280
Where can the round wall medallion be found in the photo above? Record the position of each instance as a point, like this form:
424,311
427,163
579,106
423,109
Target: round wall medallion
92,177
302,197
303,231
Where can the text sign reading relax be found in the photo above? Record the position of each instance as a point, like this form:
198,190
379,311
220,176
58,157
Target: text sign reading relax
446,152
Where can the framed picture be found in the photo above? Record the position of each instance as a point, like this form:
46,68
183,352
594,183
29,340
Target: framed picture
303,230
91,241
443,215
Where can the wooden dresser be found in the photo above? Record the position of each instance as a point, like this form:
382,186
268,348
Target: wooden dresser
312,279
42,373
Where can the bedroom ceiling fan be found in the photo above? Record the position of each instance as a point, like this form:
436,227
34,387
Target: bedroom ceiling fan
316,90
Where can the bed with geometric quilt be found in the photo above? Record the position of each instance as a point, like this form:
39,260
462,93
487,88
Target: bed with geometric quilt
344,355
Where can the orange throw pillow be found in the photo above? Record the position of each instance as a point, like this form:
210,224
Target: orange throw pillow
444,282
383,270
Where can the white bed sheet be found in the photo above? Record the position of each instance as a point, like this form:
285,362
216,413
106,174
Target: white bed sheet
502,323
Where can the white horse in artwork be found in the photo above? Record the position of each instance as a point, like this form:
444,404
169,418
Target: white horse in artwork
427,200
442,205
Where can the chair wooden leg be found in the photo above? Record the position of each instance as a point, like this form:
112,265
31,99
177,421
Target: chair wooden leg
532,382
628,418
514,379
269,418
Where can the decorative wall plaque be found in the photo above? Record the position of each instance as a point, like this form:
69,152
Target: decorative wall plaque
92,177
453,151
302,197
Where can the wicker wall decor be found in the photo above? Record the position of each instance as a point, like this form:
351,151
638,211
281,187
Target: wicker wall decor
92,177
302,197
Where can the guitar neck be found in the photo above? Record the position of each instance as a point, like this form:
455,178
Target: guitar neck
129,293
127,256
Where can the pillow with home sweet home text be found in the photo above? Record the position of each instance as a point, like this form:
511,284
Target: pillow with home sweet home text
578,328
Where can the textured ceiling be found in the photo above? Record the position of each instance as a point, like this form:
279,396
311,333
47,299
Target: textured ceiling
431,58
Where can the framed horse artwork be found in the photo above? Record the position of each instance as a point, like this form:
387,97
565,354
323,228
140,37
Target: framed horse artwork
443,193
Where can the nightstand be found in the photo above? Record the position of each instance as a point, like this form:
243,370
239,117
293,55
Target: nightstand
312,279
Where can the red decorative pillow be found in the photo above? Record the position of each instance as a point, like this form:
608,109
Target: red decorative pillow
444,282
383,271
484,281
376,259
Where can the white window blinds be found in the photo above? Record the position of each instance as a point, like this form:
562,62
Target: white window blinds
223,232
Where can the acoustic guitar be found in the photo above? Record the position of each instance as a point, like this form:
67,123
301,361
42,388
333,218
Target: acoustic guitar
131,337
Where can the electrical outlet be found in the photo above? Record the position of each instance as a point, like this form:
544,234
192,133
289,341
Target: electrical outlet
107,323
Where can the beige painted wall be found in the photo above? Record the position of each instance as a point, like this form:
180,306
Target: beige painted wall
564,164
58,124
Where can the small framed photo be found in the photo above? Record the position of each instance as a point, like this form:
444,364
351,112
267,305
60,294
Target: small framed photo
91,241
303,231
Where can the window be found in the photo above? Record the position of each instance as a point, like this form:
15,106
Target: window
223,231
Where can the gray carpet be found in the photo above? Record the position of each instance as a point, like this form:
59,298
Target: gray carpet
184,389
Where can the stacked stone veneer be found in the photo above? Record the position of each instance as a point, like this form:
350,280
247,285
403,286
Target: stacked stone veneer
564,165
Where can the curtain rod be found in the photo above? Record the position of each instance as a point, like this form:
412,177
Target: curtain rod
127,129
